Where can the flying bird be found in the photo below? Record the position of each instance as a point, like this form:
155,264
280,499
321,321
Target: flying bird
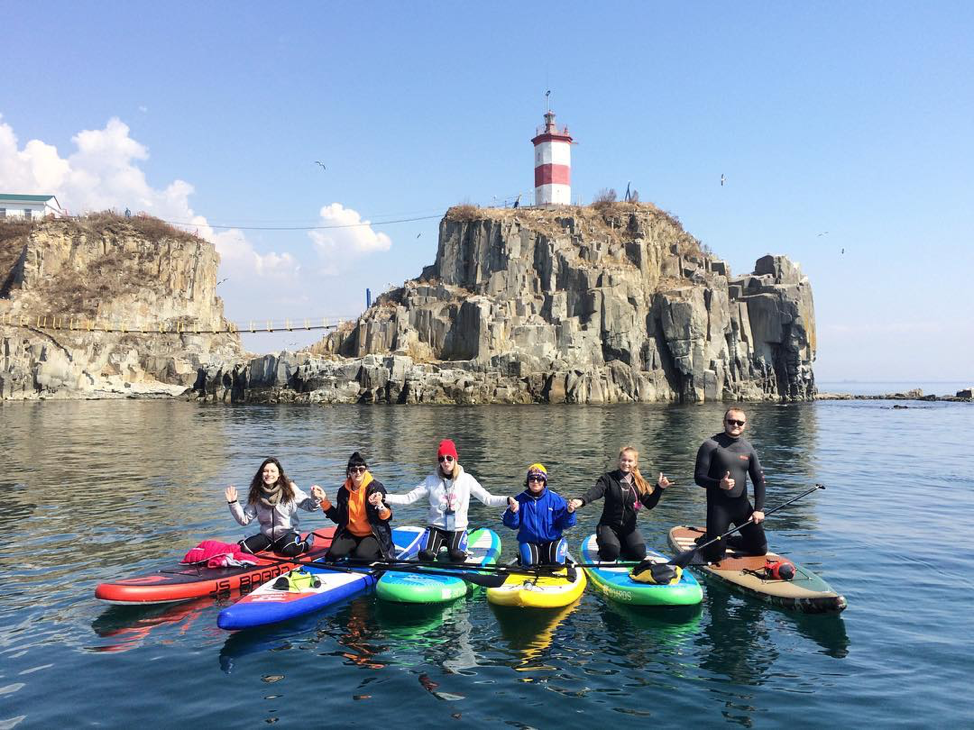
223,280
823,233
843,250
318,162
722,178
418,235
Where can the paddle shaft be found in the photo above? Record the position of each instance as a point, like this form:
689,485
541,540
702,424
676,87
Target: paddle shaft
401,566
684,558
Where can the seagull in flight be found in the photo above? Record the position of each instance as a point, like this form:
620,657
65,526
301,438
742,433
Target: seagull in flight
722,178
823,233
418,235
319,162
222,280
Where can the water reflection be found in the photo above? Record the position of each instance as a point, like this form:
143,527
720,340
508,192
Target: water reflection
129,627
529,633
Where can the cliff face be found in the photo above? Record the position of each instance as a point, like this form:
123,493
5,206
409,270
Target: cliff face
579,305
62,277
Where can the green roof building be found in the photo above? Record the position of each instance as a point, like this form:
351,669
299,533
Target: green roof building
13,205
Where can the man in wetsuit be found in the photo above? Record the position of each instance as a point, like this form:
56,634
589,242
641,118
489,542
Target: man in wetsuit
723,463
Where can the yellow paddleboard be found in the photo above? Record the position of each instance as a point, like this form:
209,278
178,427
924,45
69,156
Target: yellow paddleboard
547,590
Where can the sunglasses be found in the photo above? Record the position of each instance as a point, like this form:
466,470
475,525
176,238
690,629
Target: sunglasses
357,469
733,422
537,478
445,458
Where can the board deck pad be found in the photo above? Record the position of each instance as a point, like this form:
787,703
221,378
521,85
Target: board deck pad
179,582
807,592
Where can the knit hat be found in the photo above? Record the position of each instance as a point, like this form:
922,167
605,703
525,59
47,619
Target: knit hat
447,448
356,459
537,469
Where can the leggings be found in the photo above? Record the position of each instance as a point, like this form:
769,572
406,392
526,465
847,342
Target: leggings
720,515
436,538
364,547
613,543
542,553
288,546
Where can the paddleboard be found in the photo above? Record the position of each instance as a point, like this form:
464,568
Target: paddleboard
268,605
483,548
179,582
552,589
615,583
806,592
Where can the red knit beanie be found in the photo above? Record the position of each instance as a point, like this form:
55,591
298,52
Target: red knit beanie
447,448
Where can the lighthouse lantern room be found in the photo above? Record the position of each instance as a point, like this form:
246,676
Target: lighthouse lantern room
552,164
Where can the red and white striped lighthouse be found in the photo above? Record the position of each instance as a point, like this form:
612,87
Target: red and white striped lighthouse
552,164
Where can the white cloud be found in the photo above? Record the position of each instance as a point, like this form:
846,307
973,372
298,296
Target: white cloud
352,237
103,173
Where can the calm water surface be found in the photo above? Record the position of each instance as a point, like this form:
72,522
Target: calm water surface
98,490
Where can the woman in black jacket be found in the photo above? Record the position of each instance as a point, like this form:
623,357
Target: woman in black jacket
625,492
363,520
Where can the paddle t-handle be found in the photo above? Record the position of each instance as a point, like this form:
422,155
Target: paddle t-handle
684,558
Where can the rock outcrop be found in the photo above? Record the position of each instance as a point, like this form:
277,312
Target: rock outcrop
60,278
581,305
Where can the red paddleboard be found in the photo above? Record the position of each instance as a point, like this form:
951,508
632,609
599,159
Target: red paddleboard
181,582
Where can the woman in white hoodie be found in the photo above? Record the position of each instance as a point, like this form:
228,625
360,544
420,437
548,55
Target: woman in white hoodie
449,489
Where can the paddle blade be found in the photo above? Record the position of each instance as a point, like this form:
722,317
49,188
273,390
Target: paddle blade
495,580
683,559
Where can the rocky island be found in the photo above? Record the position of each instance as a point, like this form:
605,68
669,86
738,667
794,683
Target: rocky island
608,303
599,304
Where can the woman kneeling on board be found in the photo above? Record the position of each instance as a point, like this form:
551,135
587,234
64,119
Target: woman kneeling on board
363,520
274,500
625,492
449,489
540,516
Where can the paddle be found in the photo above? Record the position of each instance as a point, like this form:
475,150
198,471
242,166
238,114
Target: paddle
683,559
487,581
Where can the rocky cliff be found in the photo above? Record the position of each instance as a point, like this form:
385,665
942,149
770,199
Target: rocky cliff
584,305
62,279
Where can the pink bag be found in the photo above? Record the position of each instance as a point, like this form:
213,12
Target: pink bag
218,554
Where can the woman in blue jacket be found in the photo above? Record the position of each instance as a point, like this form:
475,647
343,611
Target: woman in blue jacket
539,516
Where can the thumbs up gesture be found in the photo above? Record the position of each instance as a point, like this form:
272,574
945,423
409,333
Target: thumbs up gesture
727,482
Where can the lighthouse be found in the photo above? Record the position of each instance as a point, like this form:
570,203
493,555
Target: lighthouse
552,164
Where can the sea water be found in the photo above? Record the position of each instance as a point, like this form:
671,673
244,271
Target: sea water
95,491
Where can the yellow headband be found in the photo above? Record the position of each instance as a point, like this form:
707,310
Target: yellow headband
538,467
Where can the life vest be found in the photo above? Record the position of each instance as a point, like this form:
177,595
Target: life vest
663,574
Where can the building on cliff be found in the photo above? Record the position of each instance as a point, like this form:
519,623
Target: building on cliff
552,163
29,206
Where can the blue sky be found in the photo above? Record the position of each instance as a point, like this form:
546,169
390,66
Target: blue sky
850,118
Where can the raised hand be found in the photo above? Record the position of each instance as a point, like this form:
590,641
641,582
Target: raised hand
376,499
574,504
231,493
663,482
512,505
727,482
317,492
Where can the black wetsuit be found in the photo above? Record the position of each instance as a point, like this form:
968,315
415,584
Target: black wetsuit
717,456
